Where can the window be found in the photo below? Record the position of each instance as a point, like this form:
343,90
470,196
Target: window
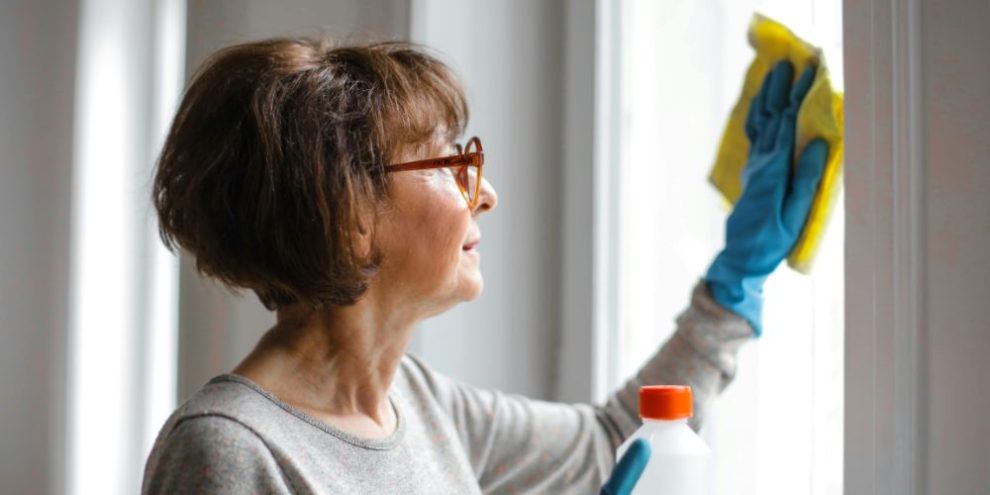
778,428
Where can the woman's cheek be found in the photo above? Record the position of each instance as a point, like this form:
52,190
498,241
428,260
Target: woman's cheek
454,235
456,217
445,230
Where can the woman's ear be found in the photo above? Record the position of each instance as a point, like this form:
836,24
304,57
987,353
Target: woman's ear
369,222
363,236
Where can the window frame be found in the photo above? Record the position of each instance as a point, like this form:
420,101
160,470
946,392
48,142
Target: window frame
885,337
885,426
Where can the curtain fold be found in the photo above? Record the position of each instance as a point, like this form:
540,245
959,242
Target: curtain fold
122,282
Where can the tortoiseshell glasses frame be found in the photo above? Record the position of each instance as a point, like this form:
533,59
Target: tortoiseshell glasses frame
466,167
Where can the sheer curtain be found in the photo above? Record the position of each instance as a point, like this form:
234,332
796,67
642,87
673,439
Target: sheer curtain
778,428
123,310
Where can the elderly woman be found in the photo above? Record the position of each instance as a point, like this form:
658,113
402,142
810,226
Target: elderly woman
326,180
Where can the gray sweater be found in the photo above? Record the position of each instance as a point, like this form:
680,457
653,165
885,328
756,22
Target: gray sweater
234,437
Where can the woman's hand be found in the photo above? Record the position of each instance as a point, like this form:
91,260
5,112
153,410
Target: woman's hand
770,213
627,471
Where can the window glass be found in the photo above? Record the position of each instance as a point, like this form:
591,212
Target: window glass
778,427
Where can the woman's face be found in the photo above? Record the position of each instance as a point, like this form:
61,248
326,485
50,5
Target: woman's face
429,237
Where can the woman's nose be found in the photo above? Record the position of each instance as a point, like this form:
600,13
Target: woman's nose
488,198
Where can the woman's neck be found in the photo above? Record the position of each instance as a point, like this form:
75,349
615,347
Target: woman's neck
334,364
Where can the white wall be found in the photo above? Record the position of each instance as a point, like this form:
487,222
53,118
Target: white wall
956,99
918,232
37,56
509,54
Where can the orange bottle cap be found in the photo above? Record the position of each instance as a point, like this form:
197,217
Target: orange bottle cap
665,402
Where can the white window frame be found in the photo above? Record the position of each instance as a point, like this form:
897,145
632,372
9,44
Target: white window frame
588,279
885,428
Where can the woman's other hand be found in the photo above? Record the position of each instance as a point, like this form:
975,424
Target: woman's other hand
628,470
770,214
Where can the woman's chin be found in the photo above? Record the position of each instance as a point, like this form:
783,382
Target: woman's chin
473,286
467,290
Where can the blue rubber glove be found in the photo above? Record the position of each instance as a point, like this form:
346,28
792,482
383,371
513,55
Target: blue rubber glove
775,200
628,470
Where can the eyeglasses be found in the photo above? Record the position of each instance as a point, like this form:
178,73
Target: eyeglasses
465,166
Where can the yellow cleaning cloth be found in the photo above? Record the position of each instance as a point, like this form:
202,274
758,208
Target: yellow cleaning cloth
820,116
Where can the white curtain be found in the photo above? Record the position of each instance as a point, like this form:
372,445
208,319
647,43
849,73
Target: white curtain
122,313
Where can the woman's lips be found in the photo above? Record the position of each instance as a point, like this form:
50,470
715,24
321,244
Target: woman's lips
471,245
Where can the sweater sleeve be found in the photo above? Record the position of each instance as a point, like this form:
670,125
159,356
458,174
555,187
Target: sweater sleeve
702,353
520,445
216,455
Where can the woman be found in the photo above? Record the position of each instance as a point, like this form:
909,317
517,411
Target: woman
326,180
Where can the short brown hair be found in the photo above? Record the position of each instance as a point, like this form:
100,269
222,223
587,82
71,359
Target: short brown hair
279,146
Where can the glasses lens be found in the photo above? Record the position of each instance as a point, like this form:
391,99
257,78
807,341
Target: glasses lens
467,180
472,172
471,183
